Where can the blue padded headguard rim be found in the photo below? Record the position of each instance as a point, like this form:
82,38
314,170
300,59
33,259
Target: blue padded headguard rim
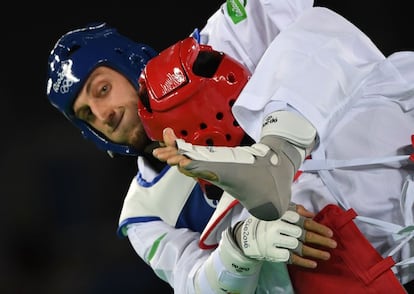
76,54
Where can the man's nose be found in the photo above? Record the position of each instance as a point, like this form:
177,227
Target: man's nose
102,111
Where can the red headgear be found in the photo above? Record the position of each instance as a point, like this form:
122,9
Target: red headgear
191,88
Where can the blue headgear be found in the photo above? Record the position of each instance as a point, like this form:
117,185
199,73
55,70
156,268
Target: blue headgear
76,54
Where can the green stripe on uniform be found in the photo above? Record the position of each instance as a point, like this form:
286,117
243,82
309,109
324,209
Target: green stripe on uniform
155,247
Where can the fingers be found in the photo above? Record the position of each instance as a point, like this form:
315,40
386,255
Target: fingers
315,253
309,257
313,226
303,262
169,137
319,235
169,152
170,155
303,211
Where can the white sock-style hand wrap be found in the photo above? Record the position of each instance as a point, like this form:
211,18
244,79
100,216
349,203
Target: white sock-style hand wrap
272,240
259,176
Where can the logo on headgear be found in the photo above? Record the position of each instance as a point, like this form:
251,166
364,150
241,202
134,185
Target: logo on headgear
65,78
173,81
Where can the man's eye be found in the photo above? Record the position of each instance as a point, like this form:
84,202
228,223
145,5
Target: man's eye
104,89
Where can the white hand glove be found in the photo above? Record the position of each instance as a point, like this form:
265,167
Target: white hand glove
271,240
235,265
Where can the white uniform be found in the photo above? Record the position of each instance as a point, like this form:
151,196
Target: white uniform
151,226
362,105
331,74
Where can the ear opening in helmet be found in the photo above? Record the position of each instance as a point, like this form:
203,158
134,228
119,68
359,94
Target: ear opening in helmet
206,63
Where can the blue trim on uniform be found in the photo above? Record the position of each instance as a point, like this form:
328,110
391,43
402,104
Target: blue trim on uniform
143,183
196,212
194,216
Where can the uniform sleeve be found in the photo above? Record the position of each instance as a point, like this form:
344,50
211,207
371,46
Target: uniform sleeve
173,254
176,258
315,67
244,29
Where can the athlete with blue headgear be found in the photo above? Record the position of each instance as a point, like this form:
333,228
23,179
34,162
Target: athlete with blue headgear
73,59
168,218
94,80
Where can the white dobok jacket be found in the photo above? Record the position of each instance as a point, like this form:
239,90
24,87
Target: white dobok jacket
312,61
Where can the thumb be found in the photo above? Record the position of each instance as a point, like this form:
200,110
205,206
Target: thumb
169,137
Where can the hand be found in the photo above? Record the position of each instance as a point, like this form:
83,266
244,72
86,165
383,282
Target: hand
316,234
281,240
169,154
267,173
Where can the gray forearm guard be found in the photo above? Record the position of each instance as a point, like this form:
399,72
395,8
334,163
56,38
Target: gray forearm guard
259,176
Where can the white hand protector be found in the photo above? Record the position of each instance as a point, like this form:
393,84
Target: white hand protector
272,240
235,266
228,270
259,176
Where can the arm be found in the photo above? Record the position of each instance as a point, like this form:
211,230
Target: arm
246,245
176,258
286,108
259,176
321,234
173,254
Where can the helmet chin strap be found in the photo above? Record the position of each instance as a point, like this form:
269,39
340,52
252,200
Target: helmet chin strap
157,165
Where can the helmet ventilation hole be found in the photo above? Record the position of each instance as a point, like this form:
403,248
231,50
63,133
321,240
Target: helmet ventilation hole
231,78
203,126
184,133
219,115
209,142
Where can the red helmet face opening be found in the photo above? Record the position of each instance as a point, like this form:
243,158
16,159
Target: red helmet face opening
191,88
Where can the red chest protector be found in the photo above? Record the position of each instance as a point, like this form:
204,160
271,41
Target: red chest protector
354,267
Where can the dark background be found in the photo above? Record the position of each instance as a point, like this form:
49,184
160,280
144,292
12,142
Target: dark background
60,197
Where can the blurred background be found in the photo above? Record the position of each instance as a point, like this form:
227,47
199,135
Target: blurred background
60,196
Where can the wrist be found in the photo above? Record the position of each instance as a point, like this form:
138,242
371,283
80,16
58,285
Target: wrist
236,233
233,257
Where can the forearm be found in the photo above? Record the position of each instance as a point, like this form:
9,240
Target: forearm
176,258
228,270
173,254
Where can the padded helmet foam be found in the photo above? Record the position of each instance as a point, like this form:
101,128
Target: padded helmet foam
76,54
191,88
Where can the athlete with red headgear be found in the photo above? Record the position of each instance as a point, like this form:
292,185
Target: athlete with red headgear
325,70
157,228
